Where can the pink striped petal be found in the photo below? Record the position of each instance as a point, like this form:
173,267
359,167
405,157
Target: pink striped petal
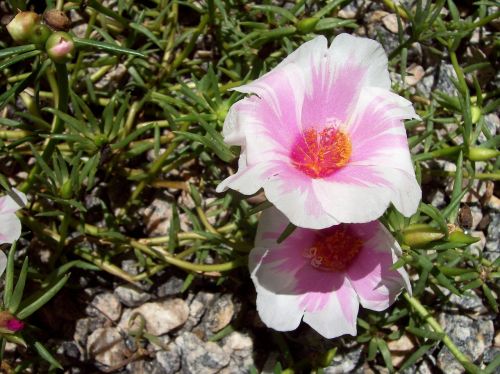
376,284
291,285
338,316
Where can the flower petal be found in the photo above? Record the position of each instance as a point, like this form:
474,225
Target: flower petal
278,311
376,284
278,267
351,199
272,223
338,316
348,50
311,51
376,130
3,262
270,120
248,179
334,81
10,228
292,193
9,205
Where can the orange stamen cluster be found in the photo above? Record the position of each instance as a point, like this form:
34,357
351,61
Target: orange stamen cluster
335,250
319,153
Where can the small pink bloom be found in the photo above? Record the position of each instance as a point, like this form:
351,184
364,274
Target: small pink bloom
10,323
324,137
321,276
14,325
10,226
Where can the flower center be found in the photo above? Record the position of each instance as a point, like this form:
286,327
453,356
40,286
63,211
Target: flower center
335,250
319,154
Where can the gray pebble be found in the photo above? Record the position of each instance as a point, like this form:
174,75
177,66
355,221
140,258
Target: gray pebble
131,296
471,336
200,357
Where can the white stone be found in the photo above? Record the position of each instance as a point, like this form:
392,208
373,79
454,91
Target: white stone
108,304
107,346
159,317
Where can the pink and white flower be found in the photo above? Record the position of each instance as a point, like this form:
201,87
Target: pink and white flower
10,226
321,276
323,136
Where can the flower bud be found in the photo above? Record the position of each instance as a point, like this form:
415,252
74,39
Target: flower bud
22,25
307,25
57,19
66,189
39,35
475,114
60,47
10,323
419,235
458,236
482,154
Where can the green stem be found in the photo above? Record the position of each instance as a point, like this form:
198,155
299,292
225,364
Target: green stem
494,176
425,315
186,265
443,152
459,72
58,124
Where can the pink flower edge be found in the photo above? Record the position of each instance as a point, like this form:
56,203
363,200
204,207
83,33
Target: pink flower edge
289,289
344,87
10,225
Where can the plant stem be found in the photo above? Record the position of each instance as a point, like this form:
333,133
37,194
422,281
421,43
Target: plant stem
186,265
425,315
58,124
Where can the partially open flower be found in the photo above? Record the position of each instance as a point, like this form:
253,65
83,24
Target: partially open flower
60,47
324,137
321,276
10,226
9,323
22,25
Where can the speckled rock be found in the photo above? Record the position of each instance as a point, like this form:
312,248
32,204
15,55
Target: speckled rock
197,307
169,360
492,248
220,314
84,327
400,349
471,336
239,347
131,296
171,287
159,317
200,357
468,302
345,362
106,346
106,304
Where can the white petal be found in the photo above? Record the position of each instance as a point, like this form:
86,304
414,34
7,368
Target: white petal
9,205
10,228
406,190
352,203
339,315
347,50
281,312
247,180
272,223
232,130
309,52
3,262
